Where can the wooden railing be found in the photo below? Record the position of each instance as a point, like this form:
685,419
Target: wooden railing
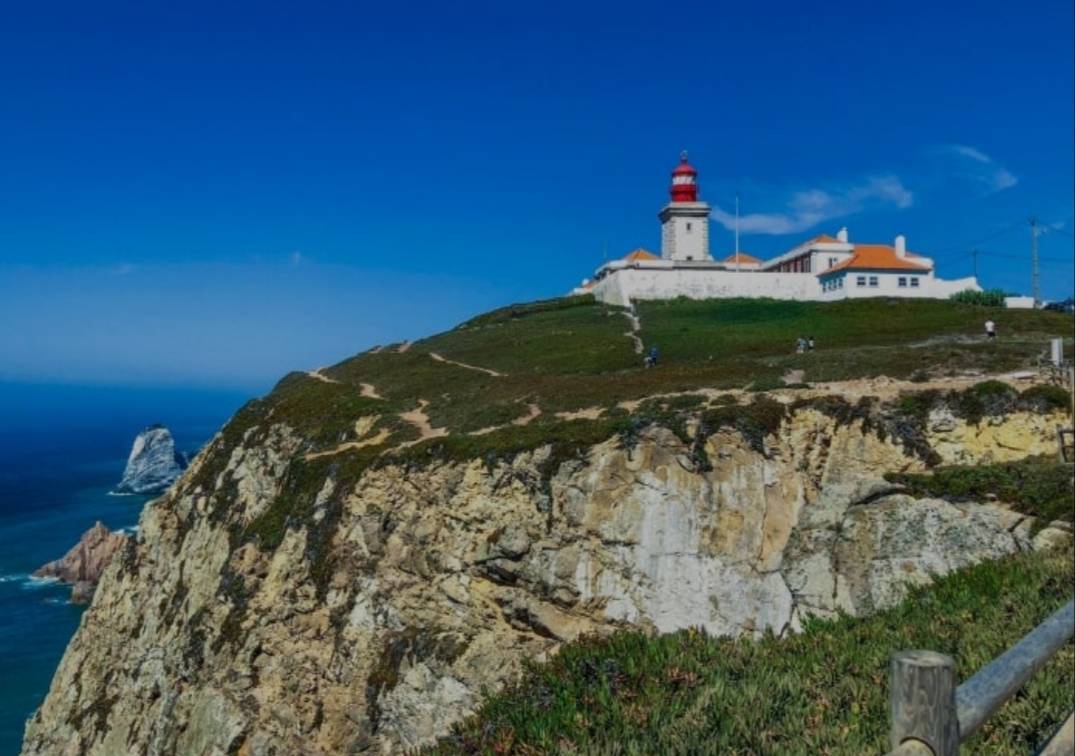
931,716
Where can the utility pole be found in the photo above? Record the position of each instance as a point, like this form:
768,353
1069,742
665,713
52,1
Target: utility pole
1035,274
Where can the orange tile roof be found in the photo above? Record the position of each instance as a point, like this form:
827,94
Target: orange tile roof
640,254
876,257
743,258
824,239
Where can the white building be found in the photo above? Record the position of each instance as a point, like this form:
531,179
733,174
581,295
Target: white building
823,268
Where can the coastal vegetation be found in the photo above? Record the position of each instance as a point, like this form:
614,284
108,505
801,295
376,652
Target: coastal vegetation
824,691
1038,487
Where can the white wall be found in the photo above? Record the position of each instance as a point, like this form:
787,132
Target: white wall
888,286
1019,303
624,285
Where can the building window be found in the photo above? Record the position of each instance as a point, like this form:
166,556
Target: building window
688,226
841,283
832,261
873,280
860,280
903,281
914,281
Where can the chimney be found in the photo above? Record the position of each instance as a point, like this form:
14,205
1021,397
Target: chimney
842,234
901,246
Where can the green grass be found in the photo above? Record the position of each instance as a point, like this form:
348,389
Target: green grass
855,338
824,691
1041,488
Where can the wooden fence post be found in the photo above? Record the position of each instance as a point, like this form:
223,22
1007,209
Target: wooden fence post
923,701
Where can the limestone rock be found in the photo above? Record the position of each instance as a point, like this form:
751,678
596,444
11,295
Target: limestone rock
82,566
153,464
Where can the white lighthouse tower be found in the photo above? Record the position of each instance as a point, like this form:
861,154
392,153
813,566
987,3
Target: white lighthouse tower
685,220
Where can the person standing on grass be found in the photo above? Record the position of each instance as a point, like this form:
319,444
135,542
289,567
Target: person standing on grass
810,343
990,330
651,358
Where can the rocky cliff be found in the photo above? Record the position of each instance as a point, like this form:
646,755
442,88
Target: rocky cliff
284,600
83,565
153,464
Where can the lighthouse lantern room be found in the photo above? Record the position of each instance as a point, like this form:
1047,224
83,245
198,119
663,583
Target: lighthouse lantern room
685,220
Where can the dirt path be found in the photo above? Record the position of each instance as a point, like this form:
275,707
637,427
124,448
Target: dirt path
420,420
487,371
882,387
370,391
380,438
533,412
363,427
320,376
636,326
586,413
403,347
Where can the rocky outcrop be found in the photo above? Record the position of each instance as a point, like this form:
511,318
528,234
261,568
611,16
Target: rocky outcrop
153,464
370,614
993,438
83,565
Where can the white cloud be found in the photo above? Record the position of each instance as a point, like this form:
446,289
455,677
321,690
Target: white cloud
810,207
980,167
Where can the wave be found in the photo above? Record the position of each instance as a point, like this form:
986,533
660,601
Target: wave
12,578
33,582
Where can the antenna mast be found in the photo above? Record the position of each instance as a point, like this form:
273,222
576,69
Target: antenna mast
1035,273
737,232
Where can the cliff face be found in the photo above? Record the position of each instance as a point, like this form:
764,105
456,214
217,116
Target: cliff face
370,617
153,464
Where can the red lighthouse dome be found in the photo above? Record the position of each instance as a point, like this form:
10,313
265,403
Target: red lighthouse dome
684,181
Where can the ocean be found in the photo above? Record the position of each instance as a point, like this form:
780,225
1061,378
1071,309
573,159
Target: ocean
62,449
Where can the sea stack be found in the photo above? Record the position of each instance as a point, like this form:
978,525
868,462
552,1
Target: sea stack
81,567
154,463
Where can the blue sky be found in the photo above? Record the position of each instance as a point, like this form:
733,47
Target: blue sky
196,194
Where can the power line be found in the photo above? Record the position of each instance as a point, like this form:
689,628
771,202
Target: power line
1021,257
992,236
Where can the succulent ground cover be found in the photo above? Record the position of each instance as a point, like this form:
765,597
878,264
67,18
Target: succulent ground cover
824,691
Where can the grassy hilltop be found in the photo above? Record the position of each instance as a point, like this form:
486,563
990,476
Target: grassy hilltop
574,356
568,373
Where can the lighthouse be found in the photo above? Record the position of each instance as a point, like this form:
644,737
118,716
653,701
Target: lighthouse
685,220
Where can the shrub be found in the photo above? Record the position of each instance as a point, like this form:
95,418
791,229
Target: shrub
987,298
1045,398
1037,487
